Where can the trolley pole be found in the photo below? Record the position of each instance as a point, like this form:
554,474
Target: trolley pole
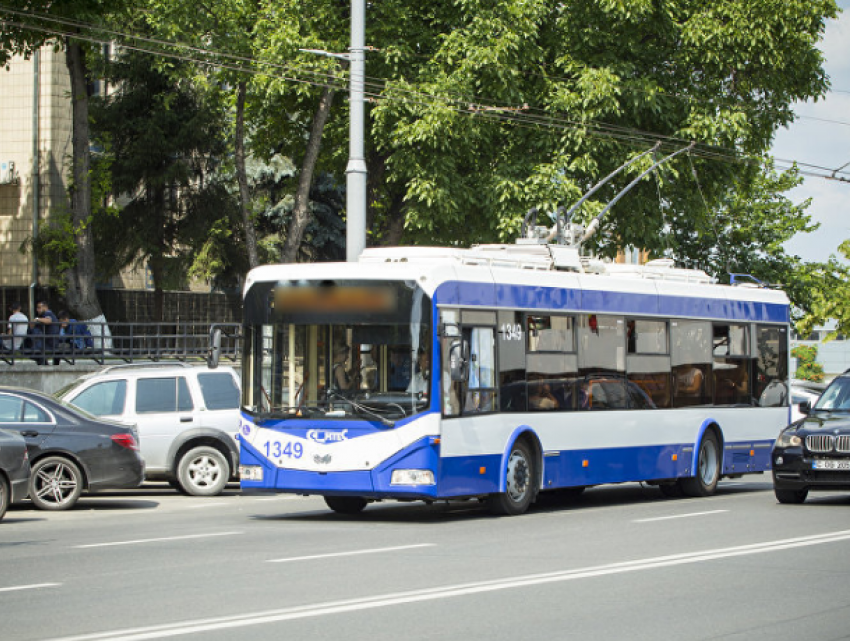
355,172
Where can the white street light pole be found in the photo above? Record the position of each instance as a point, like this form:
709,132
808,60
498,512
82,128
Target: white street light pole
355,172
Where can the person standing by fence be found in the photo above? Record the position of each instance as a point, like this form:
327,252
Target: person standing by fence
44,327
18,324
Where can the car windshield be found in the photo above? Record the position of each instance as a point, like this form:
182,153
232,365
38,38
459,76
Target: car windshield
836,397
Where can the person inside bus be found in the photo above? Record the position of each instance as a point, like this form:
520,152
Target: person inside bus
541,396
419,382
343,378
399,368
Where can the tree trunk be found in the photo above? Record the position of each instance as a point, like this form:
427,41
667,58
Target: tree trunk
242,178
80,292
301,212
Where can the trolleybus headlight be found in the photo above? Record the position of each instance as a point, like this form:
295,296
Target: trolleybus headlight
788,438
251,472
412,477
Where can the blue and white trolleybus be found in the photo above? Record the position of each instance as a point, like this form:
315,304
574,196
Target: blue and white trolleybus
502,371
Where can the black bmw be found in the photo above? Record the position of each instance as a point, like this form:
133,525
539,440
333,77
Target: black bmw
69,450
813,454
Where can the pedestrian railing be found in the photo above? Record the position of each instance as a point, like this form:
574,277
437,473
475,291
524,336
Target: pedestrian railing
127,342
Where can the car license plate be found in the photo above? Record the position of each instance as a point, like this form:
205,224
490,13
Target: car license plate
831,464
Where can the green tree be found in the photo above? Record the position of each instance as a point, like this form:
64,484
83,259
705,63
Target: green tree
162,142
489,108
808,369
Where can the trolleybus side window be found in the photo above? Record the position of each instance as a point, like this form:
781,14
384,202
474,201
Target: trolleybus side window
648,368
690,354
771,366
512,376
602,361
552,363
481,389
732,376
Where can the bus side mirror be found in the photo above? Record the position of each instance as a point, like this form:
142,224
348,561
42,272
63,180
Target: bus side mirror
458,359
215,348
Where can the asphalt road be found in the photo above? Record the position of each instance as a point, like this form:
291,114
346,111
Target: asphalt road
619,562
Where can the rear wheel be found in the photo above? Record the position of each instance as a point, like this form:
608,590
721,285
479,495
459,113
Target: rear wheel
346,504
203,471
519,482
5,495
55,483
704,482
790,496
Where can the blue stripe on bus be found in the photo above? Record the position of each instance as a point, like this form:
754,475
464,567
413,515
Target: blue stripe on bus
536,297
465,476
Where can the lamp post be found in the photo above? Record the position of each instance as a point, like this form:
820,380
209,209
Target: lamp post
355,171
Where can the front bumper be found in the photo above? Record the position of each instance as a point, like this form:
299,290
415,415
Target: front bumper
797,472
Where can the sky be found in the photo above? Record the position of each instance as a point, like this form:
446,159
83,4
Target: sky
821,136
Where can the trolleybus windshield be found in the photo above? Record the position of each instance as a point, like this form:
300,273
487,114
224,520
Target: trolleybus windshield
337,349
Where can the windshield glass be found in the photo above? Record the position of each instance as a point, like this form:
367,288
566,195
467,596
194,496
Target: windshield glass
343,350
836,397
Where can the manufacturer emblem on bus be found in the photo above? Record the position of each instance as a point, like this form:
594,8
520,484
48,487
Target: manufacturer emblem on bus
322,460
323,436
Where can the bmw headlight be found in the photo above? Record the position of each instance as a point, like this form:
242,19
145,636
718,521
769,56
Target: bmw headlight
788,438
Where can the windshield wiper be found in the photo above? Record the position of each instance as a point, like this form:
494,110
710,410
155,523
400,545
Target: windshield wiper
361,408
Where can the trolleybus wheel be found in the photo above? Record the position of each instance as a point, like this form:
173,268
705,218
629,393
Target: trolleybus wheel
346,504
790,496
704,481
519,482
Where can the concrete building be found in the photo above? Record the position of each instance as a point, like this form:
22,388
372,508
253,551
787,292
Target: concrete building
35,140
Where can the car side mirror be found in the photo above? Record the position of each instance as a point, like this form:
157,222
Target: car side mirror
805,407
215,348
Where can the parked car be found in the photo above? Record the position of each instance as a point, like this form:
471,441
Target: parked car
187,416
69,450
813,454
14,470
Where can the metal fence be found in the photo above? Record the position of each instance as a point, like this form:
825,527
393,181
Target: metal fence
127,342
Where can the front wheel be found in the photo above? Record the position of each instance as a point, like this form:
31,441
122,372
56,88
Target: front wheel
794,497
346,504
704,482
519,483
55,483
203,471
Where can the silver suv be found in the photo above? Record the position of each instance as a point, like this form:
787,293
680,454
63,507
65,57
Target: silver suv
187,417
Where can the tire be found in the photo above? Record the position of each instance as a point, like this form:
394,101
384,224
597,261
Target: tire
175,484
203,471
55,483
520,482
346,504
793,497
5,496
707,474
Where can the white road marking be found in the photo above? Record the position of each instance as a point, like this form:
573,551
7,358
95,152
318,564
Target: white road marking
157,540
207,504
34,586
352,553
678,516
450,591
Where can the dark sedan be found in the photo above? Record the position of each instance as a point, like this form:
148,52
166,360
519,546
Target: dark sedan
813,454
69,450
14,470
